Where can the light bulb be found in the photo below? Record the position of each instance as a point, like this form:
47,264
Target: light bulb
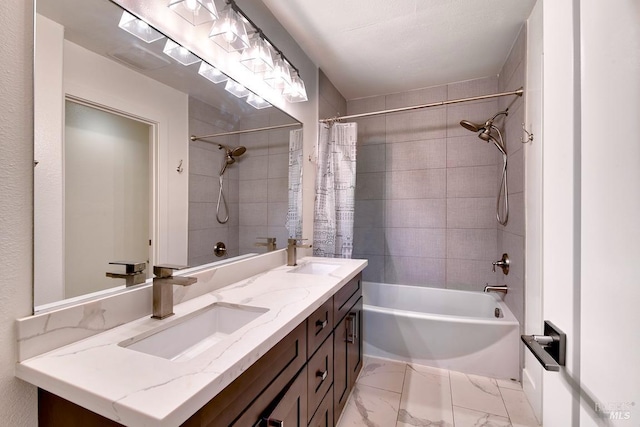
192,5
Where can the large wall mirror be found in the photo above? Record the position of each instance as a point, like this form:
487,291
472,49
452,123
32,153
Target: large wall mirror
117,176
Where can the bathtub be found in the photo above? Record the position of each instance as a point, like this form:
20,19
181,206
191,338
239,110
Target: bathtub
456,330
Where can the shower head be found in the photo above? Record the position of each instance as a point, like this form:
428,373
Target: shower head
230,155
473,127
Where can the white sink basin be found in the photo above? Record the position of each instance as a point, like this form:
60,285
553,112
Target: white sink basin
185,338
314,267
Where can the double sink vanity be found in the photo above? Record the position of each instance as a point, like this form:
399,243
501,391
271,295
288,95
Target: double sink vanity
281,347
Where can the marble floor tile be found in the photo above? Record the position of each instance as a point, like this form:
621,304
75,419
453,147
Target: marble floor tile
426,398
519,409
469,418
370,407
476,392
510,384
382,373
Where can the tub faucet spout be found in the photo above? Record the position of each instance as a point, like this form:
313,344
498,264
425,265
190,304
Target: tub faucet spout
496,288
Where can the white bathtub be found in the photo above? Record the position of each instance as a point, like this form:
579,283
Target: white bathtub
450,329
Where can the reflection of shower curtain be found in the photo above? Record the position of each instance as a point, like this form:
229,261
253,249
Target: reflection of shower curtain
294,215
335,190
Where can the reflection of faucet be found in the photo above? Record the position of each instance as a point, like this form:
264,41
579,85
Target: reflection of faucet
291,250
133,275
163,289
503,263
496,288
270,243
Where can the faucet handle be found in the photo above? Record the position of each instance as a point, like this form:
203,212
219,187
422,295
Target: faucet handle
294,242
166,270
131,267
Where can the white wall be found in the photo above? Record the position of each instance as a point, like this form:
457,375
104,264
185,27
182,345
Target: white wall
610,202
18,403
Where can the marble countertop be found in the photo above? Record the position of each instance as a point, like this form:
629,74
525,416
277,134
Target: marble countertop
137,389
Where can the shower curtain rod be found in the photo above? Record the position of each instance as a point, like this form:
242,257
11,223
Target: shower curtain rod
517,92
238,132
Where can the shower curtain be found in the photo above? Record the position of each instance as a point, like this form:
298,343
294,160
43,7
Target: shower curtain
335,190
294,214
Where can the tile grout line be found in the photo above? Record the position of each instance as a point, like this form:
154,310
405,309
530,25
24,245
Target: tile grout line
504,403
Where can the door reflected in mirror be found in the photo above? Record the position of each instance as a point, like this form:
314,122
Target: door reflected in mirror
118,177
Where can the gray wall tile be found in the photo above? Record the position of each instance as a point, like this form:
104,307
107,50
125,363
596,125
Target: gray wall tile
416,242
416,213
427,154
471,212
469,275
470,88
278,165
278,190
477,244
374,271
253,214
416,97
253,191
369,241
371,130
371,158
416,125
415,271
416,184
470,150
476,181
370,186
369,213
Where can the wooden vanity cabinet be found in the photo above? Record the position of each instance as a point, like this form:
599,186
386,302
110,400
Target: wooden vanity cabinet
303,381
347,347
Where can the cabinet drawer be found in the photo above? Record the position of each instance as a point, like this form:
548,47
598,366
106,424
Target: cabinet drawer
319,326
319,375
344,299
324,414
261,382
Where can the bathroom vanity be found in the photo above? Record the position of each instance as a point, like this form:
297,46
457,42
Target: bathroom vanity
293,362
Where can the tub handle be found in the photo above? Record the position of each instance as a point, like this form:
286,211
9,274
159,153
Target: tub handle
352,324
550,348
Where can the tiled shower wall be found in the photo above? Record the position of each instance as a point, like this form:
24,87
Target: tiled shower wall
205,161
255,187
511,238
426,188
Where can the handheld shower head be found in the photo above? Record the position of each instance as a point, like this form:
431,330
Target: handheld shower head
473,127
230,155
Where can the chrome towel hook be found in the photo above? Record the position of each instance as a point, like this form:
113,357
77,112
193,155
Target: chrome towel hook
529,136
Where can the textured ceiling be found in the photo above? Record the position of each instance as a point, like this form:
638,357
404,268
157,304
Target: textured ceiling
375,47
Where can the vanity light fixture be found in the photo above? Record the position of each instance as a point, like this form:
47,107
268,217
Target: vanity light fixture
296,92
256,102
196,12
179,53
280,77
138,28
211,73
229,31
236,89
258,56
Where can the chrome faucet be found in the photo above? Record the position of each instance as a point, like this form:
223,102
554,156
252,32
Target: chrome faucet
133,275
270,243
163,289
292,245
496,288
503,263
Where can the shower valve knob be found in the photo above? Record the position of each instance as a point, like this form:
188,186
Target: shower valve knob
503,263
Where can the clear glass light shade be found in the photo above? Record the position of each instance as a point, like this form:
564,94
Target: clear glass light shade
229,31
257,57
236,89
211,73
279,77
257,102
296,92
195,11
138,28
179,53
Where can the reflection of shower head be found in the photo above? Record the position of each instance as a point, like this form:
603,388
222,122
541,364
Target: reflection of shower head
230,155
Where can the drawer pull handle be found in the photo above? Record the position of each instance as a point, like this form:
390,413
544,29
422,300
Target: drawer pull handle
322,323
322,374
352,336
272,422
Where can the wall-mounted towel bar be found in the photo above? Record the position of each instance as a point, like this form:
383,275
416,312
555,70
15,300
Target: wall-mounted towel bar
550,348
